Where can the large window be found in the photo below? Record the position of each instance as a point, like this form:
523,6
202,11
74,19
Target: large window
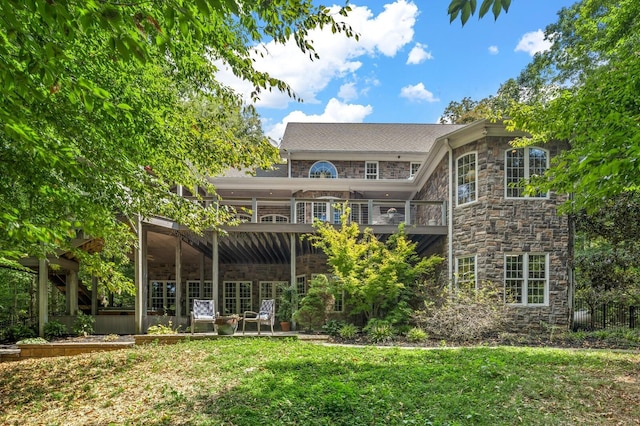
323,169
526,279
371,170
466,272
198,290
521,165
162,296
466,178
272,290
236,297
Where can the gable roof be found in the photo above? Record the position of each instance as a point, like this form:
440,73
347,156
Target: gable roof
363,137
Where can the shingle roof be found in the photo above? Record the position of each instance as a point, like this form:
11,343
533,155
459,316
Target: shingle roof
363,137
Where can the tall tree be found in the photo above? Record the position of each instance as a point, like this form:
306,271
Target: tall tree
585,90
106,105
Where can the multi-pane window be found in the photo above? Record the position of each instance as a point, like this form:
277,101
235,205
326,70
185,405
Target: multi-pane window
526,279
236,297
272,290
466,178
521,165
466,272
371,170
274,218
162,295
198,290
301,285
323,169
414,167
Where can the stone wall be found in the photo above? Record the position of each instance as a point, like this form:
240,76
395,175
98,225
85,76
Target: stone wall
355,169
494,226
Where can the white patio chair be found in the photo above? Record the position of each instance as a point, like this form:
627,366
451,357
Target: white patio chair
266,315
203,311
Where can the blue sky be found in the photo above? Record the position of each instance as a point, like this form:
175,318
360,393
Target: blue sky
409,64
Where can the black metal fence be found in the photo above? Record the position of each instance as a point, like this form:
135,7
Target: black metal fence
604,315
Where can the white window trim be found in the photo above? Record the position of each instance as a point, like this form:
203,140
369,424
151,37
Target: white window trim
366,170
475,270
413,163
525,275
273,218
475,170
527,174
238,304
275,294
323,161
306,288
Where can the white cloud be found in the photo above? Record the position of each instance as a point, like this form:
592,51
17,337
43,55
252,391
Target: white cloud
418,54
384,34
493,50
418,93
334,112
532,43
348,92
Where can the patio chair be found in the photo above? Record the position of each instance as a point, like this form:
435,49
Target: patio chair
203,311
266,315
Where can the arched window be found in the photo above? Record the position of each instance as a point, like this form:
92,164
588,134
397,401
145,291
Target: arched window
323,169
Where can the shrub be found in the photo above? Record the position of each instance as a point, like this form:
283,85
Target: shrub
18,332
332,327
163,329
380,333
348,331
315,306
54,329
467,314
32,341
83,324
416,335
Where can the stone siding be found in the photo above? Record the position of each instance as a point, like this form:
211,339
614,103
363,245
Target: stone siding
355,169
494,226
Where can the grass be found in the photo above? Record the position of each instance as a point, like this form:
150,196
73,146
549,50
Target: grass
263,381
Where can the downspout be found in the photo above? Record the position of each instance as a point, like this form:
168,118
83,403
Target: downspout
450,217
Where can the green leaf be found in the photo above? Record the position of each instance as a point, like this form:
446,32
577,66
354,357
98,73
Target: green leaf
497,8
484,8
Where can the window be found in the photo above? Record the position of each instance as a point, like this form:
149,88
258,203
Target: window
162,295
526,279
272,290
323,170
236,297
301,285
466,272
197,291
521,165
466,178
371,170
274,218
413,169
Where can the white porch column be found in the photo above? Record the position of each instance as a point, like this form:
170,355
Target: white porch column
43,299
178,311
72,296
292,262
215,271
139,279
94,296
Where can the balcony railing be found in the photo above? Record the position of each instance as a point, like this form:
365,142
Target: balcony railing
363,212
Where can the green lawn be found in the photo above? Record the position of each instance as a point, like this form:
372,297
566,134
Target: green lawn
263,382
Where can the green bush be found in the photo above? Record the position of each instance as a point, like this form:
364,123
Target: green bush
416,335
54,329
315,306
332,327
18,332
83,324
380,333
348,331
31,341
162,329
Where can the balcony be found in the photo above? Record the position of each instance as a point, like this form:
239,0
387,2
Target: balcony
413,213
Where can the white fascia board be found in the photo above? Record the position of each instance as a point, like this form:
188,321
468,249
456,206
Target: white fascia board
356,156
308,184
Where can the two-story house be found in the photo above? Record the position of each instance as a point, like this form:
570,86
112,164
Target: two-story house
455,187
